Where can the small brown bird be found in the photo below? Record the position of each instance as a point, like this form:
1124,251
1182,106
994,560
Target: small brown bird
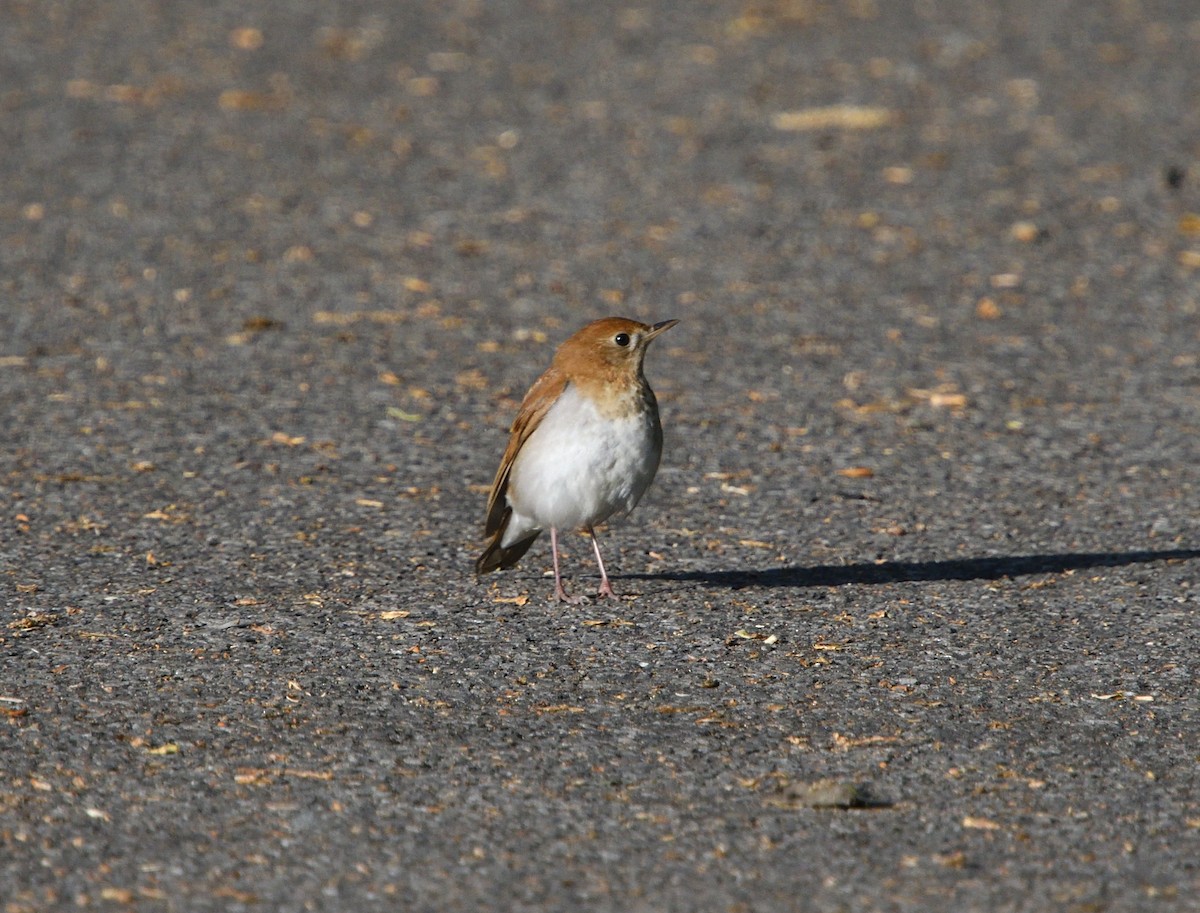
585,445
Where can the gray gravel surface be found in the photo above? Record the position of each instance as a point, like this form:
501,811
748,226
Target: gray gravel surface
911,611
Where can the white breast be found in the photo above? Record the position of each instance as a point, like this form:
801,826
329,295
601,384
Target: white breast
580,467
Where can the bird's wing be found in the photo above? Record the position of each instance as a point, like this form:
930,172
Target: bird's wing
541,396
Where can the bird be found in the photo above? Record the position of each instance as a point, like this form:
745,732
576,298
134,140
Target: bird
585,445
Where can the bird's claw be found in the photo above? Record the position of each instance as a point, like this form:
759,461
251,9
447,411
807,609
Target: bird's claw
561,595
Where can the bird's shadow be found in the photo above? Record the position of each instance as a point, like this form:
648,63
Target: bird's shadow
992,568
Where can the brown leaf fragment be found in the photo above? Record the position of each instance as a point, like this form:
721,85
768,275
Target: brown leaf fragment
344,318
846,117
857,472
231,893
13,706
308,774
33,621
258,324
246,38
168,514
845,743
980,824
298,253
471,247
829,794
252,776
612,623
947,400
472,379
397,413
987,309
955,860
1024,231
243,100
1123,696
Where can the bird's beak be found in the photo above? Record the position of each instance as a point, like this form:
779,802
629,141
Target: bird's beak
659,328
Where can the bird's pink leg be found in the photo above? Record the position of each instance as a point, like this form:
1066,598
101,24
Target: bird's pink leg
560,592
606,589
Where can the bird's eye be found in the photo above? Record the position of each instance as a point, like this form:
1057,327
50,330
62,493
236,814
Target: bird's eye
621,339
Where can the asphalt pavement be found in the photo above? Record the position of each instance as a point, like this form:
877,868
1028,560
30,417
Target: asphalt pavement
909,617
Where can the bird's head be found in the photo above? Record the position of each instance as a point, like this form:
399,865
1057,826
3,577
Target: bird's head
610,347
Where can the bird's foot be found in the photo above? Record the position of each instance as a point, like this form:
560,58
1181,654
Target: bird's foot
561,595
606,590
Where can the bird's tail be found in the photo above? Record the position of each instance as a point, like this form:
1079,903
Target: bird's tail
502,557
